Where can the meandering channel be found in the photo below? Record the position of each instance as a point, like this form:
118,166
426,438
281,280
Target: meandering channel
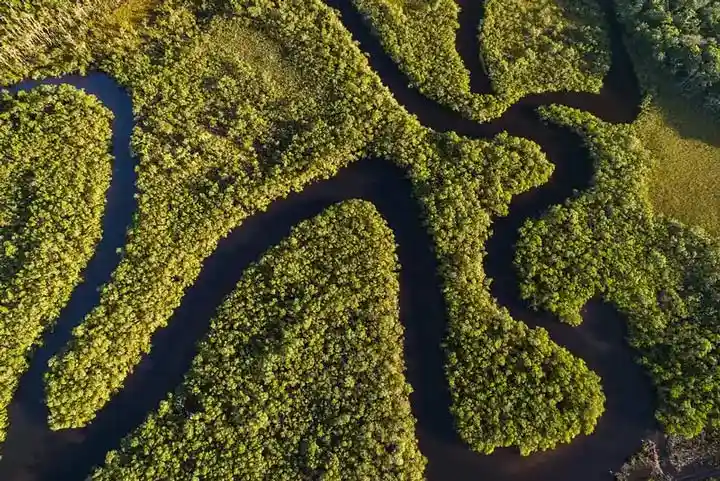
32,452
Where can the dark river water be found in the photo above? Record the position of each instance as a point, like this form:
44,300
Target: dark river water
33,452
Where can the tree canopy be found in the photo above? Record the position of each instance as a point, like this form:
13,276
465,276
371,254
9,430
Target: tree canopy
54,173
681,38
663,275
544,46
301,375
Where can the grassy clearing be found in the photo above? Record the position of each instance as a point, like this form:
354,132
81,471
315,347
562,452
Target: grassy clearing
684,180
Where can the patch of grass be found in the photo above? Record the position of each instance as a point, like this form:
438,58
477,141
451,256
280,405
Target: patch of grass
130,13
54,37
684,181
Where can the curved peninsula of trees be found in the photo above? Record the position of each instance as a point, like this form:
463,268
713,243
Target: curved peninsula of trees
54,172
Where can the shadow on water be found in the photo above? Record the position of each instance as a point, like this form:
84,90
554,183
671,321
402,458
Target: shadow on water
32,452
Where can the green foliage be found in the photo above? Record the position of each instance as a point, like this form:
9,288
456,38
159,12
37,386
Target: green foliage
664,276
681,38
420,36
544,45
223,129
510,385
54,172
301,374
58,36
529,47
227,122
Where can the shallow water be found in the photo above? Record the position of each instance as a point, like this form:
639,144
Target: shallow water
32,452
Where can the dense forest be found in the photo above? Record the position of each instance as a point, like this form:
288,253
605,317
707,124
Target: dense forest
679,37
227,122
208,161
664,276
544,46
54,172
554,396
301,375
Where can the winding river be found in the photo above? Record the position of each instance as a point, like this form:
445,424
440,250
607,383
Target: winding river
33,452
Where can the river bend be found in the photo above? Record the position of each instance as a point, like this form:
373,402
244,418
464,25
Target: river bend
33,452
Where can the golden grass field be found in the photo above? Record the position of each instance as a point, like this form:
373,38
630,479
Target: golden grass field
684,182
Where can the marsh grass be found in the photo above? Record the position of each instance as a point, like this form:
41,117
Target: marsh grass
684,182
62,33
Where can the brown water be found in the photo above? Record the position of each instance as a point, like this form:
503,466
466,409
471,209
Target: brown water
32,452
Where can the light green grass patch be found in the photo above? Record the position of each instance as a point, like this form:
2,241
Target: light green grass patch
684,181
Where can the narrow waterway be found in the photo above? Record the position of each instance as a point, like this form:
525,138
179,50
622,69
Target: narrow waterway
600,341
32,452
